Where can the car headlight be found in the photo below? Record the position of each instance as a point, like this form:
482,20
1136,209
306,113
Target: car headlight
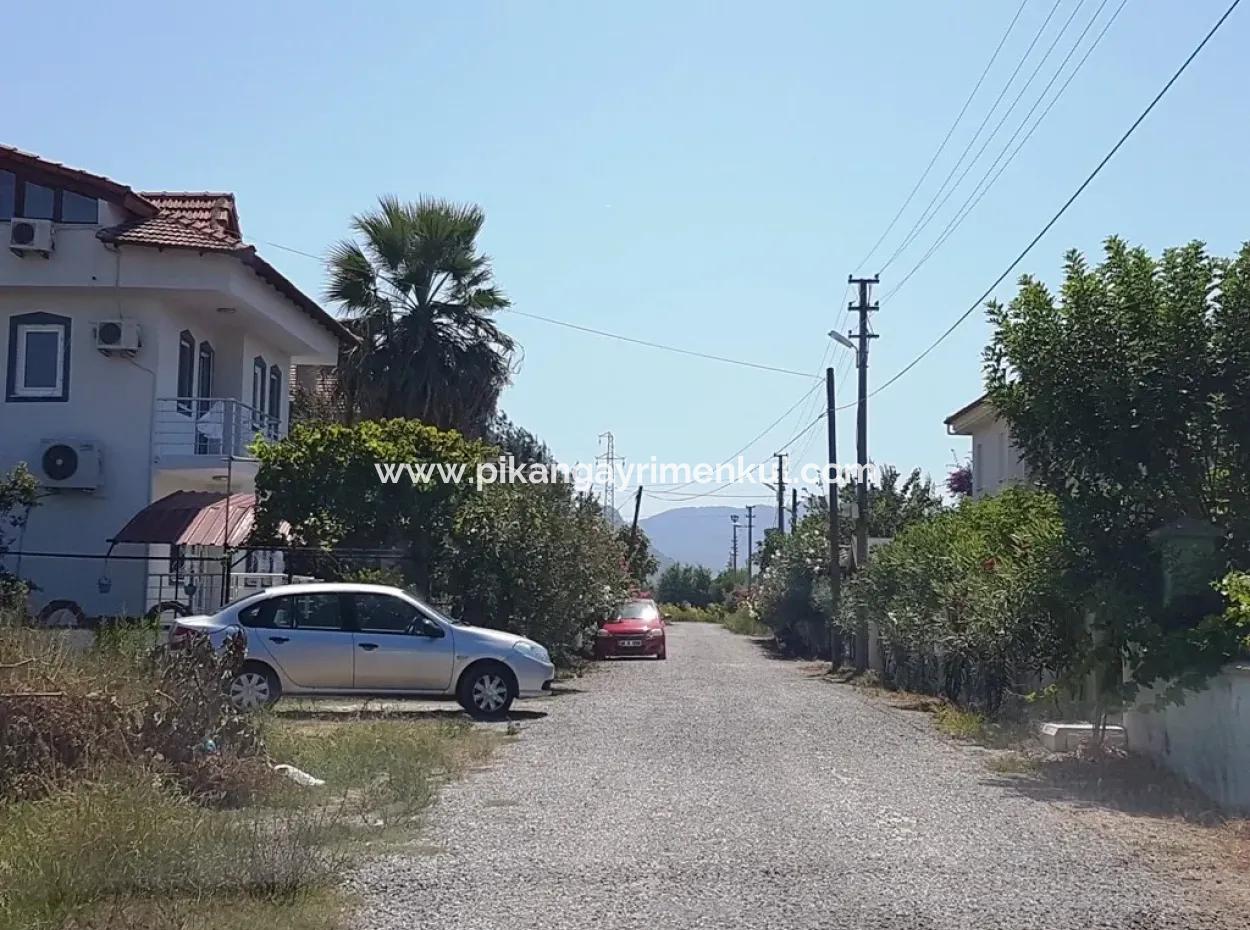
603,631
655,633
533,650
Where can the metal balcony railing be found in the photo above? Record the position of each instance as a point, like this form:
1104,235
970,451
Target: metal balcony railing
210,426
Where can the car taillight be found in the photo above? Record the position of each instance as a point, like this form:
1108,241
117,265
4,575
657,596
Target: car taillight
181,636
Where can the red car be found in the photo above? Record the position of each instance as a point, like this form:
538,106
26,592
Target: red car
636,630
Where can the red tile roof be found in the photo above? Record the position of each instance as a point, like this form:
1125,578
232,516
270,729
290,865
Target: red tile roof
204,221
216,211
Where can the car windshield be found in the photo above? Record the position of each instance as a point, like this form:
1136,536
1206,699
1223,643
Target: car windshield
638,610
434,611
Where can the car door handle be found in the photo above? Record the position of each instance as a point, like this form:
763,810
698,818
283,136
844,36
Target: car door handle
368,647
279,639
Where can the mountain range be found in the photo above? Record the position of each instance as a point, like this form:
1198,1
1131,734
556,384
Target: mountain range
703,535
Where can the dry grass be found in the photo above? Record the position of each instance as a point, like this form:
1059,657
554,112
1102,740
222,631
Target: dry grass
118,809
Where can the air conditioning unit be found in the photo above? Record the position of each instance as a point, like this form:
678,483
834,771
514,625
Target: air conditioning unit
30,236
69,463
117,336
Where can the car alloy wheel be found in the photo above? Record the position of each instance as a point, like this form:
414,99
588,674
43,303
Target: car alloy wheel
490,693
250,691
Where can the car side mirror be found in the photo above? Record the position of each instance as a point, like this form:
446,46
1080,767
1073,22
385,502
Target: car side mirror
424,626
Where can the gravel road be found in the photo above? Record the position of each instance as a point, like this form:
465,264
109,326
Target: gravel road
726,789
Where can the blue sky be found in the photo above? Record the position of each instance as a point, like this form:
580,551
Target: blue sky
701,174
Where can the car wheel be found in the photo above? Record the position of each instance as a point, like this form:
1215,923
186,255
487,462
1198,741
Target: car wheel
254,687
486,691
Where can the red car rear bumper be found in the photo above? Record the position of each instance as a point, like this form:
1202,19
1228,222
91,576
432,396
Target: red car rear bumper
612,647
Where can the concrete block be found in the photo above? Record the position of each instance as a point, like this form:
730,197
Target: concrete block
1066,737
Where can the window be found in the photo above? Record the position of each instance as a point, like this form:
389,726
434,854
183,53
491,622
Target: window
40,202
186,370
382,613
36,197
275,400
258,384
38,358
295,612
75,208
8,194
204,382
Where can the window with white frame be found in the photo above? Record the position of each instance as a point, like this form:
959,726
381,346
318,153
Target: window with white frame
38,358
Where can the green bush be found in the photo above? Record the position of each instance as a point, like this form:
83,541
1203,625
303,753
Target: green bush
974,601
535,560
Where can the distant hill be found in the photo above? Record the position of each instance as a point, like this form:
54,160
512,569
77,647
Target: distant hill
701,535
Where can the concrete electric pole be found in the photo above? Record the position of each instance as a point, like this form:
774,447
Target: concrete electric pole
862,307
750,541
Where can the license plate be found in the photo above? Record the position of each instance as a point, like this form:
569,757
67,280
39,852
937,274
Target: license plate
629,642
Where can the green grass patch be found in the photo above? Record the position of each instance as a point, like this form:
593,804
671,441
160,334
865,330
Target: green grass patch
744,624
960,723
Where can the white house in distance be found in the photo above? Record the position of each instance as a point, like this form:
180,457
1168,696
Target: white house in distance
143,346
996,461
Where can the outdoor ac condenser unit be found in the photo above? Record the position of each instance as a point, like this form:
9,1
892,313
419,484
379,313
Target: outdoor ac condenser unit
30,236
117,336
69,463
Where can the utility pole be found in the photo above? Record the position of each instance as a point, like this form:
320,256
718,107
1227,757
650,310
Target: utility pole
633,528
835,543
750,541
794,511
863,308
733,518
781,493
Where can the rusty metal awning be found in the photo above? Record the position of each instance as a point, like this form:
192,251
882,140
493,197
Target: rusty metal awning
193,518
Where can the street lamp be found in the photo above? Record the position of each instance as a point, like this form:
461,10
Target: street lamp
841,340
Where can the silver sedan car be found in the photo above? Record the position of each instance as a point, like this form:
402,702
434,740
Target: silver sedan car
361,639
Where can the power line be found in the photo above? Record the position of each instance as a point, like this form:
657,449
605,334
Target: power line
980,191
599,332
925,214
950,132
1071,200
993,134
657,345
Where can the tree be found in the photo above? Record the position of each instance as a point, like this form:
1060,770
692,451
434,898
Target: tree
685,584
1129,397
534,560
640,562
323,481
419,296
893,504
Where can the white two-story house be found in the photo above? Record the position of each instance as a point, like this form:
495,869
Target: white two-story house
996,461
144,345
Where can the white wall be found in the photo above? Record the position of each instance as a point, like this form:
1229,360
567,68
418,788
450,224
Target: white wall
110,402
996,461
1206,739
111,399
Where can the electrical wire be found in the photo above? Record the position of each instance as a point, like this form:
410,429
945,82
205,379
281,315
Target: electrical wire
599,332
1011,108
1068,203
980,191
925,214
950,132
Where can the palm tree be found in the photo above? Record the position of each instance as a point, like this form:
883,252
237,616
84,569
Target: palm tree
419,295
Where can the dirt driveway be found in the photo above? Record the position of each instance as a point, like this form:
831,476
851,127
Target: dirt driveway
726,789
